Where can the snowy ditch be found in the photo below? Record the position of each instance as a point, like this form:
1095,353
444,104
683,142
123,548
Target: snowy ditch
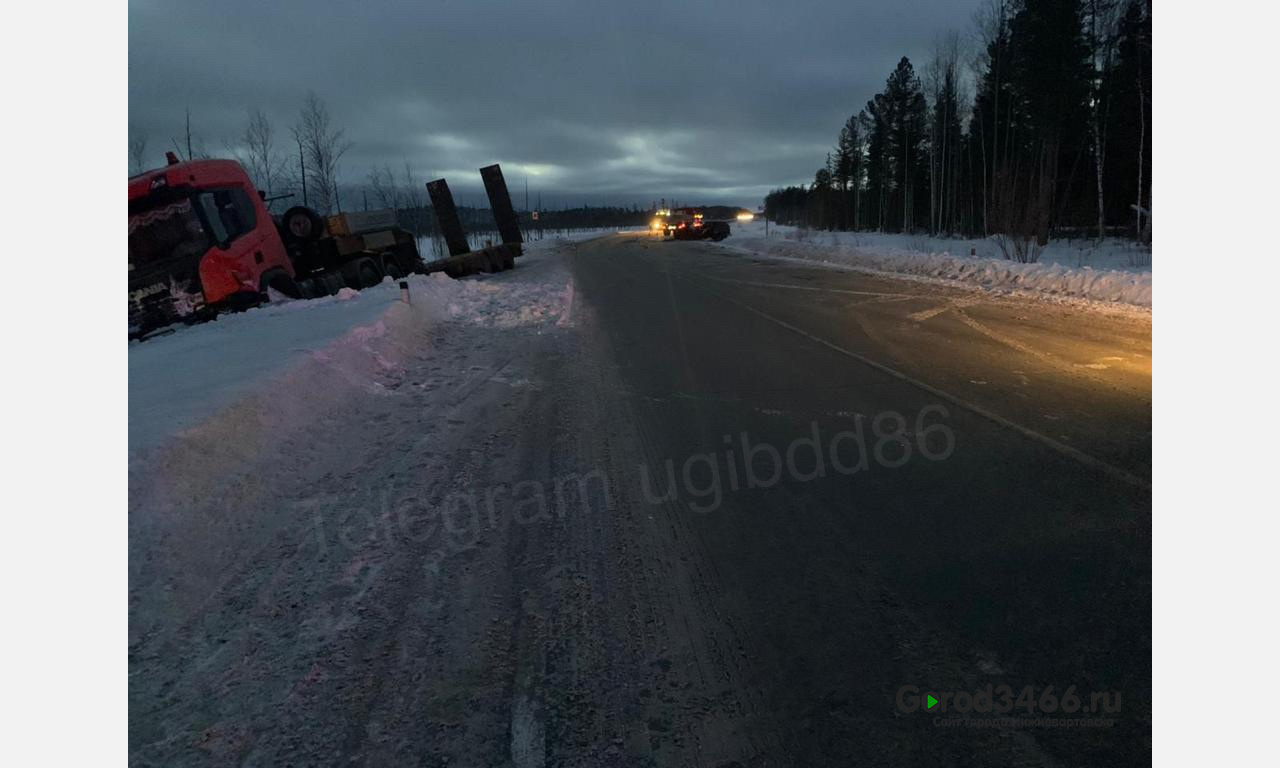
205,397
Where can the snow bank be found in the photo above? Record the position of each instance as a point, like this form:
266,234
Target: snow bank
227,385
1115,272
433,249
179,380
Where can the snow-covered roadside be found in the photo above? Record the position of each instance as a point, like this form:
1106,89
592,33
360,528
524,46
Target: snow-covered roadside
231,382
1066,269
433,248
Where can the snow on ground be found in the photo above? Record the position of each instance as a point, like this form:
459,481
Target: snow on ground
433,248
1115,272
269,367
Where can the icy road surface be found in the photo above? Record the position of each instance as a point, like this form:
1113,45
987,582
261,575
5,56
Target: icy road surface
647,503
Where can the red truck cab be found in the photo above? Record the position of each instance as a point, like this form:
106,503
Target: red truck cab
200,237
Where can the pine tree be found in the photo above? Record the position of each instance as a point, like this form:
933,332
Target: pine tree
944,136
880,175
1049,77
1128,169
905,98
848,166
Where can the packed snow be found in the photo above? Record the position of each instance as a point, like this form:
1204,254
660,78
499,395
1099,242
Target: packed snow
1114,271
273,365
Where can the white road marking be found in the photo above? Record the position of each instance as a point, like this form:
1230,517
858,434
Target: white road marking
1073,368
1056,445
925,314
1006,340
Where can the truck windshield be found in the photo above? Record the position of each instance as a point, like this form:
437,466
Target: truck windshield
167,229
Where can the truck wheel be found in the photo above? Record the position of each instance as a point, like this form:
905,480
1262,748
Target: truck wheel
302,225
327,284
282,283
391,266
362,273
370,273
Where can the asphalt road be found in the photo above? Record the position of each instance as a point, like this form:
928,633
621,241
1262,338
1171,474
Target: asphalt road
721,518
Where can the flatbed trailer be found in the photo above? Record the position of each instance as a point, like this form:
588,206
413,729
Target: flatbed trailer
492,258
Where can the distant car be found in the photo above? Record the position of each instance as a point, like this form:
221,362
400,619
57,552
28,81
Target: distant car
701,230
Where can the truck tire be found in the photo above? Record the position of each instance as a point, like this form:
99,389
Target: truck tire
327,284
391,267
362,273
281,283
371,273
301,225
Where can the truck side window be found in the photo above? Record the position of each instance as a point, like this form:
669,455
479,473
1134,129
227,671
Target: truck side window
244,211
212,217
230,213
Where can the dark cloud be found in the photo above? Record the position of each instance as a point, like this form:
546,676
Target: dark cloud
709,102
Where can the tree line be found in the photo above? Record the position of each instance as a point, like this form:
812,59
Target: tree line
301,167
306,167
1043,128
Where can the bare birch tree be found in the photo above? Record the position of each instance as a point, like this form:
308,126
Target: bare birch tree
992,22
414,196
1102,20
259,155
382,183
941,82
192,147
322,146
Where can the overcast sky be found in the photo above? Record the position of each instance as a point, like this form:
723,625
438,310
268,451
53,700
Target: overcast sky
594,101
